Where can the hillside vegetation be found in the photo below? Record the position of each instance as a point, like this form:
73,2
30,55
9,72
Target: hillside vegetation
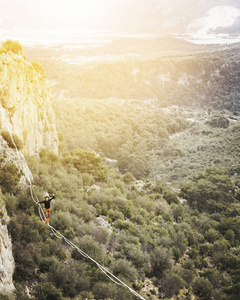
171,143
130,132
139,229
205,79
147,183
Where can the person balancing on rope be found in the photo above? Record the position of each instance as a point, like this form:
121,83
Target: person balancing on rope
47,208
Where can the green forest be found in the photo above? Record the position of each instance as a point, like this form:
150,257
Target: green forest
146,182
171,144
159,241
208,78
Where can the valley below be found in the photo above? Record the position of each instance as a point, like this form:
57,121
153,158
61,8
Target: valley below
145,171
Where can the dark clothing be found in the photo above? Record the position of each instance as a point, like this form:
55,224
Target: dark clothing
47,203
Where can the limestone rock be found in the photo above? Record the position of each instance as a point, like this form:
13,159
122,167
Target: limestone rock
11,156
26,104
26,111
6,257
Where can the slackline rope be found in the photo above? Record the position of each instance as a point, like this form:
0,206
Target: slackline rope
34,197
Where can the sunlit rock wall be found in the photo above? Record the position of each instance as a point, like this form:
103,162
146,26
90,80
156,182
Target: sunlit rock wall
26,104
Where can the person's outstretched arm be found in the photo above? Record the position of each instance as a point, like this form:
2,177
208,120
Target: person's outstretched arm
53,197
39,202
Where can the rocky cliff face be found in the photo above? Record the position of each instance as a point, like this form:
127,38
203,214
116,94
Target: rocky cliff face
26,111
6,257
26,104
11,156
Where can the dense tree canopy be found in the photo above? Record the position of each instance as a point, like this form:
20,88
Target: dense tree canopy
212,191
149,189
9,178
149,234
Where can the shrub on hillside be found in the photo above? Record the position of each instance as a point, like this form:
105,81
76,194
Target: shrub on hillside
12,141
2,50
47,291
37,67
211,191
9,178
5,297
86,162
202,288
218,121
12,46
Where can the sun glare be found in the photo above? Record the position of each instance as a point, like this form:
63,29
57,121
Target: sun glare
87,12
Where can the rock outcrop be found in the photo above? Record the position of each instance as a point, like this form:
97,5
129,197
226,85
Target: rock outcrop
6,257
26,103
25,111
11,156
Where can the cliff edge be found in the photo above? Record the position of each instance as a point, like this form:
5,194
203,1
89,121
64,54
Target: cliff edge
25,112
6,257
26,103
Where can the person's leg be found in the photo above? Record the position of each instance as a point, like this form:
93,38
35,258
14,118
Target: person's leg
49,211
47,214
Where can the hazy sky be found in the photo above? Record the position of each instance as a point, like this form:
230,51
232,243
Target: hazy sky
153,16
53,13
